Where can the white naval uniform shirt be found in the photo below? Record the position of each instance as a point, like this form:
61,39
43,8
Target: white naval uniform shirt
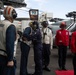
48,39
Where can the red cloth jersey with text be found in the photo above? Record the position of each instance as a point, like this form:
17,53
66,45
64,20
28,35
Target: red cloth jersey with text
73,42
62,37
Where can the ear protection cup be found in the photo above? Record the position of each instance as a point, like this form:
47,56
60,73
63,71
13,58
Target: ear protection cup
14,15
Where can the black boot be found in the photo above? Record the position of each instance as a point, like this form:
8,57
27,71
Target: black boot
63,68
47,69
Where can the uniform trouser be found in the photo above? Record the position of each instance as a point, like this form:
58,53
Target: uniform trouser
46,54
38,59
3,63
24,58
62,51
74,63
11,70
4,69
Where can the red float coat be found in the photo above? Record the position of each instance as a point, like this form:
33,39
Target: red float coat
73,42
62,37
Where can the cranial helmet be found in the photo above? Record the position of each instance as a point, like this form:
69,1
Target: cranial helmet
63,24
9,11
36,24
44,23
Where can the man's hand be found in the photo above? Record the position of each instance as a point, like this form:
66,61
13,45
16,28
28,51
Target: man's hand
24,38
10,63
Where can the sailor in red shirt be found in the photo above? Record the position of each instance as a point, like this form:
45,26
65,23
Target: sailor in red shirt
73,49
62,41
